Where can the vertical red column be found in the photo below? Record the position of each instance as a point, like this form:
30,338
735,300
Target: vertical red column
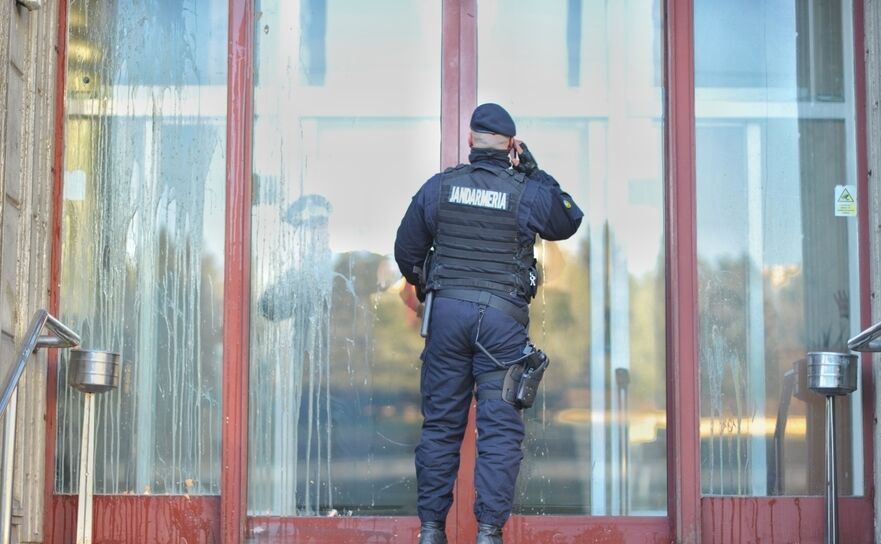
459,78
865,234
234,453
55,269
458,98
451,87
468,72
450,82
466,528
682,305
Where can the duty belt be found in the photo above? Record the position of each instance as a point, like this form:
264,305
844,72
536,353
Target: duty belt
488,299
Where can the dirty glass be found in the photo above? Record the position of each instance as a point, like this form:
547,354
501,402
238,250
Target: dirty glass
776,241
142,240
346,129
583,80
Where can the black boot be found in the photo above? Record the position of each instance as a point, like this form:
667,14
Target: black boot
489,534
432,532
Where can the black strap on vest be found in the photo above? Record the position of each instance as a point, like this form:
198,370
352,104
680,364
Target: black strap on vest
521,315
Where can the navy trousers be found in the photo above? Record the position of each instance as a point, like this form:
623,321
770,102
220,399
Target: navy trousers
451,362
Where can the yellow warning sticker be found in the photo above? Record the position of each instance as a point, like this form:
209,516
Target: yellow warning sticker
845,201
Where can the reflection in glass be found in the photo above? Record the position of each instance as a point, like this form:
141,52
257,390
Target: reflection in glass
591,110
346,129
777,268
142,240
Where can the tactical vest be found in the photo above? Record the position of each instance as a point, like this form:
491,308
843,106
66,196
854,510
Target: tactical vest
477,242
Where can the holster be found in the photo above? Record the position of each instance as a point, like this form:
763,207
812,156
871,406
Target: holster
521,382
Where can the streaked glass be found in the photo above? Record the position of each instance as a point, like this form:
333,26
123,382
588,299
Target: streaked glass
142,244
346,129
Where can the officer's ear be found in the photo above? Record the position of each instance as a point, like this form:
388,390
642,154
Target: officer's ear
470,140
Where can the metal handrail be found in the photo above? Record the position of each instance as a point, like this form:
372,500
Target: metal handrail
868,340
63,338
33,341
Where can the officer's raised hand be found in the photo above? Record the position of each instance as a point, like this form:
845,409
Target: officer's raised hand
523,161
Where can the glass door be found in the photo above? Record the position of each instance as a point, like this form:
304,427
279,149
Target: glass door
778,253
584,81
346,127
142,265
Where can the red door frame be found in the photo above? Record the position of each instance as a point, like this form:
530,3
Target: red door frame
237,285
459,98
691,518
683,374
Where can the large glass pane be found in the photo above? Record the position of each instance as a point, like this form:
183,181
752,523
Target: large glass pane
586,92
142,239
346,129
777,250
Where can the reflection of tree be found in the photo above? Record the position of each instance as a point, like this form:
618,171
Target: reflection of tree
725,328
374,376
648,341
562,325
560,317
375,371
398,346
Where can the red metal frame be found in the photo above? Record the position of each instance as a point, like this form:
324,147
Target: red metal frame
450,82
716,519
55,265
339,530
683,454
463,526
236,324
140,519
737,520
537,529
166,518
468,72
865,250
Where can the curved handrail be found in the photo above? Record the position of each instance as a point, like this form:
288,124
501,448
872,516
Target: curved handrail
65,338
868,340
32,341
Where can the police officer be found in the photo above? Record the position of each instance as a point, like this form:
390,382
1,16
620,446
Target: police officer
466,241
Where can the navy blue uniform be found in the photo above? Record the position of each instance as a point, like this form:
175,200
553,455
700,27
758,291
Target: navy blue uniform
452,360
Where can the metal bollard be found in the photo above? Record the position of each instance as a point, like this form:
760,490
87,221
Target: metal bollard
831,374
90,372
